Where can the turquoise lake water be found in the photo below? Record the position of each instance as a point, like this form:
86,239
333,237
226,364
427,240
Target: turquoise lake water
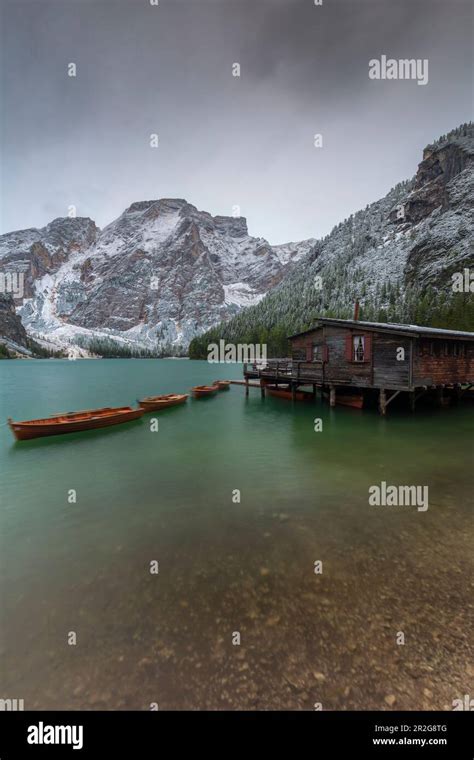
225,566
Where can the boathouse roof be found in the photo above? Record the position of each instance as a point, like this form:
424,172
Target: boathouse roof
390,327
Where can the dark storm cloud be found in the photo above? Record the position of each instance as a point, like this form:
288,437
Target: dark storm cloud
224,141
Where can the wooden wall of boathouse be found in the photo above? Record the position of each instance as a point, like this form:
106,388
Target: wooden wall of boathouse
381,368
390,372
428,361
443,362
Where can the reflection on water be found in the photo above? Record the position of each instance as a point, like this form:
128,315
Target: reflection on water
227,566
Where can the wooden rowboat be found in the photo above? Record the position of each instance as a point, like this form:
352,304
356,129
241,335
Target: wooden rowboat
200,391
154,403
73,422
286,394
356,400
223,385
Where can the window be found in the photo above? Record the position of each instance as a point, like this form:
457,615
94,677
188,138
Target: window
298,355
358,348
320,352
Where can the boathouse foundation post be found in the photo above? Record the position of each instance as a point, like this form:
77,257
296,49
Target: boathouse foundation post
332,395
246,386
382,402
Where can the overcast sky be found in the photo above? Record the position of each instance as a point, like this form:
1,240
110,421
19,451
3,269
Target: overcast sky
224,141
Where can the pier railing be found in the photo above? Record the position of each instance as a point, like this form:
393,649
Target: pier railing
281,369
270,368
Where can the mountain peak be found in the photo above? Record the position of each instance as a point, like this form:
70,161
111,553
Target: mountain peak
397,257
235,226
154,277
172,204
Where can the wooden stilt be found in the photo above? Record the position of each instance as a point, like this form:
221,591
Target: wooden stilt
332,396
262,388
293,392
246,386
412,401
382,402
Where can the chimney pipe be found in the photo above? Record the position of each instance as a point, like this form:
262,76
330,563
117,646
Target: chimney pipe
356,311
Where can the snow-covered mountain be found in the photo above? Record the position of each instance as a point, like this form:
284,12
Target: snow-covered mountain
164,272
158,275
397,257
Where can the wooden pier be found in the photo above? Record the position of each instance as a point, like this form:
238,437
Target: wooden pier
355,363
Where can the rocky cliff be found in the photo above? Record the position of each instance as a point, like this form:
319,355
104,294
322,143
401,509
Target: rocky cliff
11,328
396,256
165,272
158,275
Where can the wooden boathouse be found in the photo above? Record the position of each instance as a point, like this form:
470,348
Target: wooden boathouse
352,362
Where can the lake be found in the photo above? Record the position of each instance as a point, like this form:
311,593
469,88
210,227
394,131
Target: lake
85,622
